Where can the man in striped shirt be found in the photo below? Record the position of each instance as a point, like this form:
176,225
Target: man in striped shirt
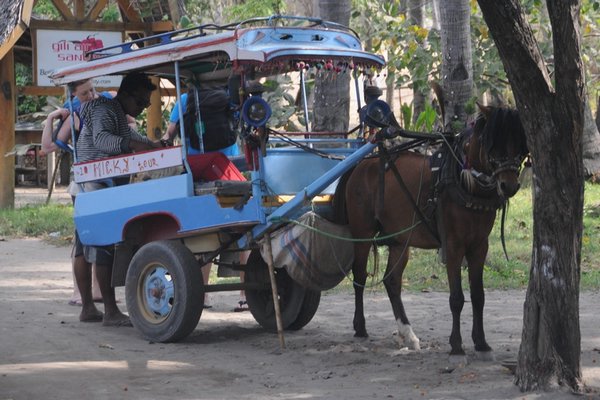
106,133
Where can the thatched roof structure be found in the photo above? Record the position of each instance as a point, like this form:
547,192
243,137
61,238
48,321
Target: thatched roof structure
14,20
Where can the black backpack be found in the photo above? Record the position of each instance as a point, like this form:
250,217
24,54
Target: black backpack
216,116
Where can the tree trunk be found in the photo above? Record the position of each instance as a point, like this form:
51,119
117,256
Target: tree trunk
553,120
598,113
591,144
435,14
331,105
177,10
415,16
457,65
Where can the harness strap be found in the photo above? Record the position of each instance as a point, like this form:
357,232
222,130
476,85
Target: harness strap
407,193
381,178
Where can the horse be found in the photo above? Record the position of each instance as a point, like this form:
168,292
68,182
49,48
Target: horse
447,201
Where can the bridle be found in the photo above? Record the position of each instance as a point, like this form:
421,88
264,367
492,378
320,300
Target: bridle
502,164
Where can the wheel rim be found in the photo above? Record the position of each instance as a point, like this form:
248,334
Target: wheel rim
156,293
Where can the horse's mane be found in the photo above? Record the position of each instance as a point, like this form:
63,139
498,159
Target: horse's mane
500,126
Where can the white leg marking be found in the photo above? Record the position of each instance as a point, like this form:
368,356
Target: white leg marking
407,337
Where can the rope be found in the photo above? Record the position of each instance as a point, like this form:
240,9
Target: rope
330,235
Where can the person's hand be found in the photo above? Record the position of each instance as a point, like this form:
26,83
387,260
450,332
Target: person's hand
131,121
136,146
61,113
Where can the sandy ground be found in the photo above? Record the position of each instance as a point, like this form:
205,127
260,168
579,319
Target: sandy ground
46,353
26,195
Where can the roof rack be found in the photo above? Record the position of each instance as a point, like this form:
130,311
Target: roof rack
157,40
174,36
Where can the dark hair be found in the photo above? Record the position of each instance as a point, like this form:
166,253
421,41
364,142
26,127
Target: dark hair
135,81
73,85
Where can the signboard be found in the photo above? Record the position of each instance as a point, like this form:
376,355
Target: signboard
127,164
57,49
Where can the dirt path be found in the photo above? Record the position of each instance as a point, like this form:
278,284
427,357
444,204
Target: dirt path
45,353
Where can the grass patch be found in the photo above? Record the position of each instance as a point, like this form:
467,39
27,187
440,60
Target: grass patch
53,222
424,272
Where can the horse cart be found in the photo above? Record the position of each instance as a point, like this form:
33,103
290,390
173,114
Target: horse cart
166,227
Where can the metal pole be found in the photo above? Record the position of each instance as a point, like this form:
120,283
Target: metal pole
304,100
274,291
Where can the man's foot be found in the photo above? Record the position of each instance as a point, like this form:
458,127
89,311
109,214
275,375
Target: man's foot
116,320
242,306
93,316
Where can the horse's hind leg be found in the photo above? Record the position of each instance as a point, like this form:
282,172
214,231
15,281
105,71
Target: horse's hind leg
359,271
476,261
397,260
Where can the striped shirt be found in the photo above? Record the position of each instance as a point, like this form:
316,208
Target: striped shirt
105,132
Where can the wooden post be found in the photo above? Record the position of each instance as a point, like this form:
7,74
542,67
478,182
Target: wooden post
274,291
7,130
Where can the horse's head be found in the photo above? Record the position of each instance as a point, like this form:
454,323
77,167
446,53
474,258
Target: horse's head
497,148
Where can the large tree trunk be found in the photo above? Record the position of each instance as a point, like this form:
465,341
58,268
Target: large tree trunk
553,120
331,105
598,113
591,144
457,65
415,16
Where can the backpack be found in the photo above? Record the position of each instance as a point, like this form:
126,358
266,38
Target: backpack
216,117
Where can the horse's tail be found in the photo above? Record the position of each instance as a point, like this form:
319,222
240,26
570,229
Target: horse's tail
340,215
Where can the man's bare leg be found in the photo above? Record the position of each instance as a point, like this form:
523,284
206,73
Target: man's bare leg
112,315
83,279
96,293
205,277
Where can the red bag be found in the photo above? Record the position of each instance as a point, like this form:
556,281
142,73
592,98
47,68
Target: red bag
213,166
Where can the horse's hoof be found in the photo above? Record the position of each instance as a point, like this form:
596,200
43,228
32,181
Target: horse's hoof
485,355
412,344
362,334
407,337
458,360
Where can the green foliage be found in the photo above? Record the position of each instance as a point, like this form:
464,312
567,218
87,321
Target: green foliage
425,121
111,13
413,52
27,104
255,8
46,10
285,114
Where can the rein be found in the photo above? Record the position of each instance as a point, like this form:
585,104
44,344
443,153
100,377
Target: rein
386,159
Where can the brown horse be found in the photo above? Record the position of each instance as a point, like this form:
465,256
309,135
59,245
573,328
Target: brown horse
458,192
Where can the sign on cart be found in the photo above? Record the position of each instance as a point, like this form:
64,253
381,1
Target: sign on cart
128,164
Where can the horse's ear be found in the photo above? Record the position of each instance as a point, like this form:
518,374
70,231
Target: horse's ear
485,110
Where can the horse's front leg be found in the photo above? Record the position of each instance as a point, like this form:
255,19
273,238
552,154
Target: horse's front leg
359,271
457,300
476,260
398,257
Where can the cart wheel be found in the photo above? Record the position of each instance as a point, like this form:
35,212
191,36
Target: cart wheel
309,307
260,302
164,291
